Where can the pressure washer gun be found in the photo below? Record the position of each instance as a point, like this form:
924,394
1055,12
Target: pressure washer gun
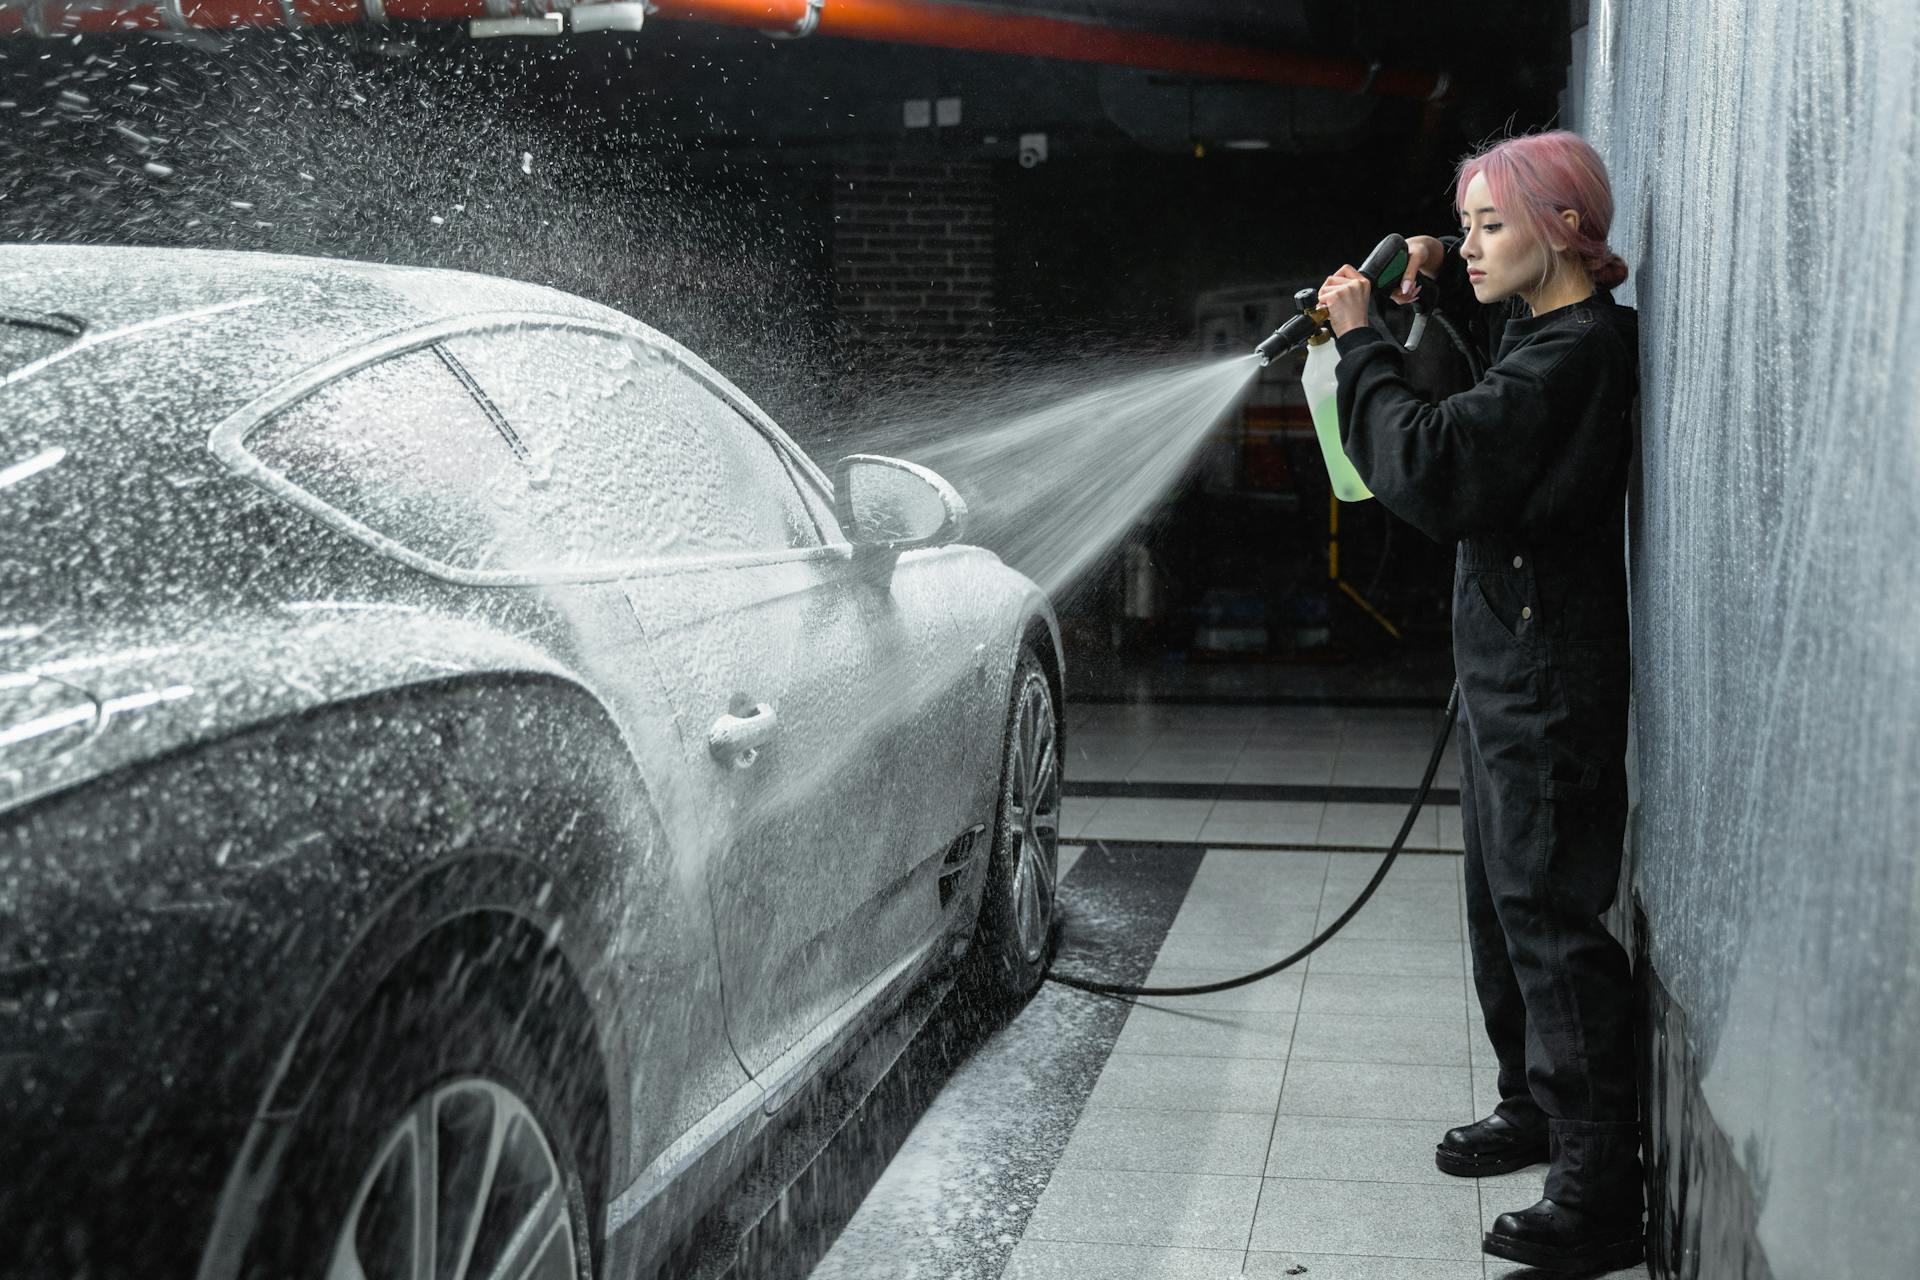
1385,265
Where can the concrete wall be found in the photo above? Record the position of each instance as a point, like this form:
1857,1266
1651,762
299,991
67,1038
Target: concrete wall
1766,164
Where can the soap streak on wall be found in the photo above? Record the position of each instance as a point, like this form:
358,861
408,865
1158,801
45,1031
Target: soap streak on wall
1766,164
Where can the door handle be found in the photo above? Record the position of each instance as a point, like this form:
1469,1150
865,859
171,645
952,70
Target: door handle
737,739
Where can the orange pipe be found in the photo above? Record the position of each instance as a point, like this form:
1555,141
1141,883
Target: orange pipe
761,15
959,26
934,23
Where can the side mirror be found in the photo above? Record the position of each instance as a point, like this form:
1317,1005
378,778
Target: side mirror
884,504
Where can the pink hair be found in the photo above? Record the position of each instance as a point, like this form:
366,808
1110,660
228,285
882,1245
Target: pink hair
1533,178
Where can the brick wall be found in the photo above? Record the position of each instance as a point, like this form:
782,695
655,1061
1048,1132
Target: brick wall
913,259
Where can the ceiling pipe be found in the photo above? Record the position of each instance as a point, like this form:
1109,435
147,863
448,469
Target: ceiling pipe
945,25
935,23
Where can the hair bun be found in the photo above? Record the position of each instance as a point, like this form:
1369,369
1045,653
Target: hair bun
1611,271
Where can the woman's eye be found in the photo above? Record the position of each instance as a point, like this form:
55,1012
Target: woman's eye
1492,226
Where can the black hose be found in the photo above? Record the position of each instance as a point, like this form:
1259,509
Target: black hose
1228,984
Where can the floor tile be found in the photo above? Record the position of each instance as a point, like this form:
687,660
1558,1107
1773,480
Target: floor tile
1101,768
1376,1090
1360,767
1158,768
1329,1266
1253,875
1386,996
1210,1034
1203,739
1226,1142
1321,1037
1373,826
1284,768
1167,1210
1395,916
1264,821
1234,952
1409,892
1277,994
1261,863
1129,819
1250,893
1450,831
1417,868
1074,813
1069,854
1342,954
1371,1218
1063,1260
1281,915
1175,1083
1350,1149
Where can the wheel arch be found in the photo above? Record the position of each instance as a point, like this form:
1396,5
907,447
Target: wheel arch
500,803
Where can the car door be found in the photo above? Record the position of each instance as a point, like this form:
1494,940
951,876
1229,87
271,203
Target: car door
779,661
406,452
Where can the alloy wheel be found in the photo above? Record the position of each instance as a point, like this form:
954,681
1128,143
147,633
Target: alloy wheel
1035,816
463,1187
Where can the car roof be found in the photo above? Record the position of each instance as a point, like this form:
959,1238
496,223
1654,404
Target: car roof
111,287
187,336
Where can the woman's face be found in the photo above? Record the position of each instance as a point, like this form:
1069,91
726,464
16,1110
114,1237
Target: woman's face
1501,259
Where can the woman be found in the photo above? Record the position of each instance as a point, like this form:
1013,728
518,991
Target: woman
1527,471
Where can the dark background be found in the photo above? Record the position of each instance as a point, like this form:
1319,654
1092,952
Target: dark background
733,190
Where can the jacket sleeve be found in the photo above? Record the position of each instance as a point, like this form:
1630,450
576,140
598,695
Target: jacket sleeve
1468,464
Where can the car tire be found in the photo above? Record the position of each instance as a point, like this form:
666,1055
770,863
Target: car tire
1014,942
464,1084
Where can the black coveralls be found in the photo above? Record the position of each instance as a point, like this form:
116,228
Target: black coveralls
1528,470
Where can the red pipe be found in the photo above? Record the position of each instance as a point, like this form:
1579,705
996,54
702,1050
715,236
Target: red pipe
919,22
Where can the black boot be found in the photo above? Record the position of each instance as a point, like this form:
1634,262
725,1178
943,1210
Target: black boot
1557,1237
1488,1147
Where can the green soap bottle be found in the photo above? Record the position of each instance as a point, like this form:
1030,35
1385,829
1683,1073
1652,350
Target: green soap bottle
1322,390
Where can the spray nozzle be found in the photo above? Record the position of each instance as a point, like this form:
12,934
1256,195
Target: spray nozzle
1289,337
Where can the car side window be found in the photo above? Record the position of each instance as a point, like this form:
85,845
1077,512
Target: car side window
404,449
649,461
538,450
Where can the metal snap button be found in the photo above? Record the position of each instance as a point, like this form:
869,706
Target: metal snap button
1516,562
1527,612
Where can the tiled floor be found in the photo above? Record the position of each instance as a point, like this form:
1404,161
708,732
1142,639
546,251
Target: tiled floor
1291,1123
1321,747
1284,1128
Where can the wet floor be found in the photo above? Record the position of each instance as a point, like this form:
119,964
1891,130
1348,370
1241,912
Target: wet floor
1282,1129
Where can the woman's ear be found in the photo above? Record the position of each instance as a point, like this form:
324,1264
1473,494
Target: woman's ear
1570,218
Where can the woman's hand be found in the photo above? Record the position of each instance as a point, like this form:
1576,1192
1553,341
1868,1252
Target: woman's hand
1344,295
1424,256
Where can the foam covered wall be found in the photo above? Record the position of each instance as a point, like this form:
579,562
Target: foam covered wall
1766,166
